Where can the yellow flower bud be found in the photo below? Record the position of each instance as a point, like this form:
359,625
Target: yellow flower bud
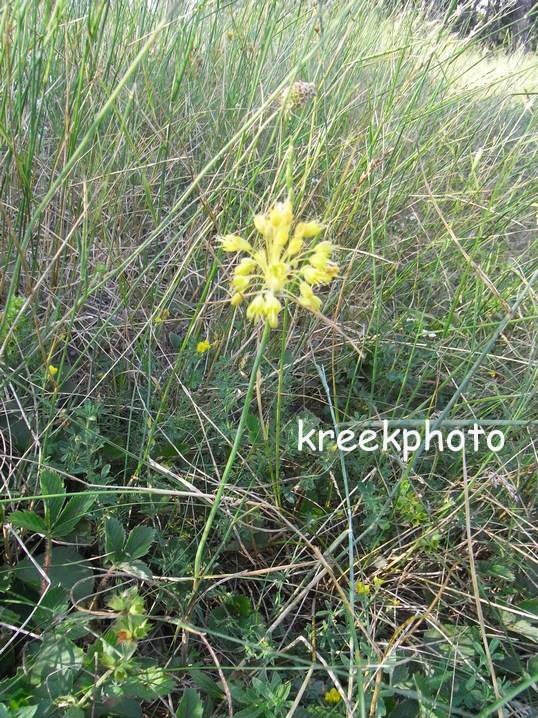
236,299
295,246
325,248
235,243
281,214
272,309
52,370
245,267
256,308
314,275
308,299
308,229
240,283
332,270
319,261
261,223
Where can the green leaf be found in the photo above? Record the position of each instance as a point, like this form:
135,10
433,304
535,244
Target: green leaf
149,683
51,483
119,706
53,604
190,705
251,712
54,656
73,512
67,569
28,520
136,568
530,605
502,571
206,684
175,340
74,712
519,625
254,428
139,541
114,539
26,712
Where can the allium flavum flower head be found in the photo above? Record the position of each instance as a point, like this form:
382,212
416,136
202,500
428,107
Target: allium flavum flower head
284,261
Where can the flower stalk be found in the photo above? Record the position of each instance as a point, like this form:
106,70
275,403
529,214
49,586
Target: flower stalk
198,559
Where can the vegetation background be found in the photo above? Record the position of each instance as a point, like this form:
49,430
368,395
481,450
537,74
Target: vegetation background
132,135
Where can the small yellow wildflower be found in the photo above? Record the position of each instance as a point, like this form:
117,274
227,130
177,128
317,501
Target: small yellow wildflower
332,697
362,588
52,370
284,261
203,346
378,582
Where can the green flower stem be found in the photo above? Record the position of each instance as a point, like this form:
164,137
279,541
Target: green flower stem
231,460
276,478
91,691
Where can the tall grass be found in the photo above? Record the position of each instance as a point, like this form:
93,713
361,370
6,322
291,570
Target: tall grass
132,134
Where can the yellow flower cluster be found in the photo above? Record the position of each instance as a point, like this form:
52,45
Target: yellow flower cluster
332,697
284,260
364,588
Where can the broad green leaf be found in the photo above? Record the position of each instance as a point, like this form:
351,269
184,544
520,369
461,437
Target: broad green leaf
67,569
139,541
114,539
52,484
190,705
28,520
72,513
53,604
55,655
149,683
